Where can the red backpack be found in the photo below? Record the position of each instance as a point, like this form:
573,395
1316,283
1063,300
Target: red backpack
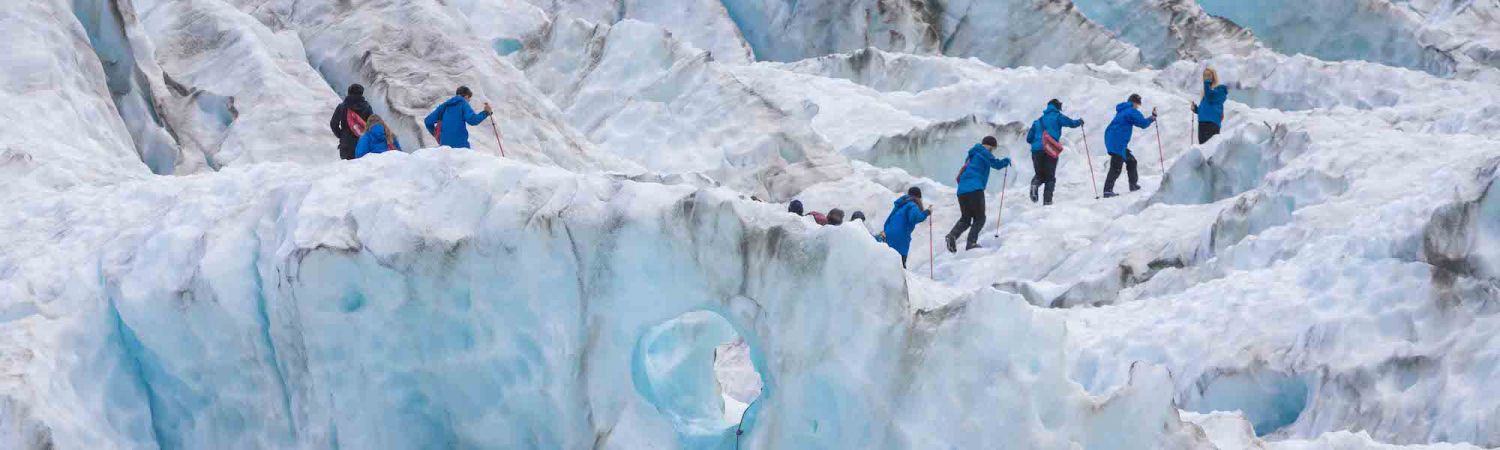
1053,147
354,123
961,171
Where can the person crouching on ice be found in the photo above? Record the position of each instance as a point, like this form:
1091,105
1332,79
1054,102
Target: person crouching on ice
1117,141
905,215
449,122
972,179
378,139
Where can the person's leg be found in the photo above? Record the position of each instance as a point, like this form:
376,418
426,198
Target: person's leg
346,149
1036,177
1115,161
1130,165
1206,131
1051,179
974,208
958,228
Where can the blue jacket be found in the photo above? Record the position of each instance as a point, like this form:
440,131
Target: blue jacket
975,174
373,141
1117,134
1211,107
903,219
455,114
1052,123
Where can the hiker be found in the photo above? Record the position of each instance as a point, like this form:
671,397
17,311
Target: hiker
1117,141
905,215
795,207
1050,124
972,179
835,217
449,122
858,215
1211,110
378,139
818,218
348,120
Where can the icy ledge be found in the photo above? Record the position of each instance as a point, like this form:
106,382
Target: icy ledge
446,299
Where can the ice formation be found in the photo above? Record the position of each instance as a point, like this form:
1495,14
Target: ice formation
184,262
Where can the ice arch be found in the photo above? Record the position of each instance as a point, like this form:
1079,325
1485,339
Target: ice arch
676,366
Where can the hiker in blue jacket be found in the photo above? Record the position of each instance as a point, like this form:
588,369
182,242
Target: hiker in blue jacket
1117,141
377,139
1210,108
905,215
972,179
449,122
1051,123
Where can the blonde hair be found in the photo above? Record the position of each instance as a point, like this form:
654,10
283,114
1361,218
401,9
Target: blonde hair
1213,76
390,135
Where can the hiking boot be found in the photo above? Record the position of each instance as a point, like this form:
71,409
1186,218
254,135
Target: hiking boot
952,243
1110,195
1034,188
1135,187
972,245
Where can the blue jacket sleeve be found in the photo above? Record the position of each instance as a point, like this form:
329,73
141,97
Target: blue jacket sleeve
1031,133
1214,95
432,120
470,117
1138,119
1069,121
915,215
993,162
1221,94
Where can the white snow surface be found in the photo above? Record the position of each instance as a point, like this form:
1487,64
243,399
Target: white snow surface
185,264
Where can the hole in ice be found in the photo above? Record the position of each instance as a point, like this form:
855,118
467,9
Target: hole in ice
1271,400
506,46
698,371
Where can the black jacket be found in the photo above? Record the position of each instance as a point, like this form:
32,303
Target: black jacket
340,127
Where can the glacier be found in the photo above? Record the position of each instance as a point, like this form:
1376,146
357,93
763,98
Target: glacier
185,263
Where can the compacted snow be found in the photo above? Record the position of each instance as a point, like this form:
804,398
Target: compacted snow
185,263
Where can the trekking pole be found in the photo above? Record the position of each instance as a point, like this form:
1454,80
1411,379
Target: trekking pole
1001,213
931,257
1159,152
1086,153
496,127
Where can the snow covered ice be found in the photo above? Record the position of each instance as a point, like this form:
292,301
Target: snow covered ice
185,263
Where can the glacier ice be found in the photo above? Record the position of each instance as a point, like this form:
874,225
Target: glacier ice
1321,275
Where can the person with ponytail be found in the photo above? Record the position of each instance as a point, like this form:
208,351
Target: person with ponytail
377,139
1211,108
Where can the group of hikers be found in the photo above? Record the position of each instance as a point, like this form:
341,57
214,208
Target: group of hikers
362,132
1044,136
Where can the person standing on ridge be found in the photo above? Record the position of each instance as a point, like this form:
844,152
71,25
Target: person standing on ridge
1117,141
1210,108
795,207
449,122
378,139
905,215
348,121
972,179
1051,124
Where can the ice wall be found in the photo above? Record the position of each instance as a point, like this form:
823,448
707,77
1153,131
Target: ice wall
474,302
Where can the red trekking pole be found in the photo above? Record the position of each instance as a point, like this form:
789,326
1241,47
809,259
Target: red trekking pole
497,136
931,257
1159,153
1086,153
1001,212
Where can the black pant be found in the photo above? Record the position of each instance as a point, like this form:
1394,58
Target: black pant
346,147
1115,161
971,208
1046,174
1206,131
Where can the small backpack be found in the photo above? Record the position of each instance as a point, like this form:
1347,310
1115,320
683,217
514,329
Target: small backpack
961,170
1051,145
354,123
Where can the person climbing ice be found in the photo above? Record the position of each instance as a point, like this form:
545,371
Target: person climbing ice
349,120
1049,125
1117,135
905,215
972,180
449,122
795,207
1210,108
835,217
378,139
